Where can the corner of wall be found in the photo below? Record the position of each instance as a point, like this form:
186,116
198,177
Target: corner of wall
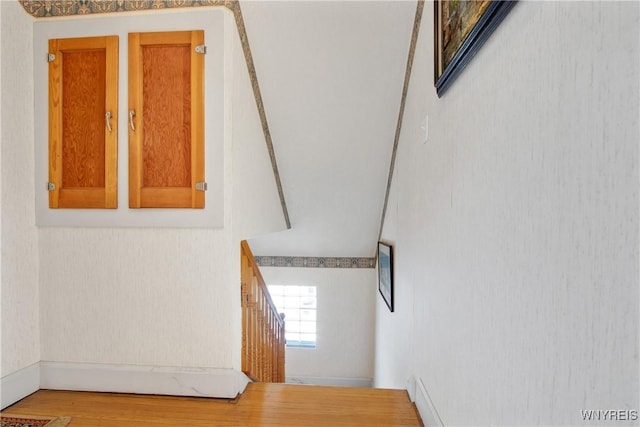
19,385
19,275
256,204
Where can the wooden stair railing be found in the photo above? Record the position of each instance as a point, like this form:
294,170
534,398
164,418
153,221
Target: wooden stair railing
262,326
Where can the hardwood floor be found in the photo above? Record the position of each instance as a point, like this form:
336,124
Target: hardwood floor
261,404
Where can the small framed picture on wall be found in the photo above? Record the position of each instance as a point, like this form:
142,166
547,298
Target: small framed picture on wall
385,273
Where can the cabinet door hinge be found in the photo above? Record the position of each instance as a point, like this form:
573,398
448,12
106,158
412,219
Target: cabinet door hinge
201,49
201,186
51,186
51,57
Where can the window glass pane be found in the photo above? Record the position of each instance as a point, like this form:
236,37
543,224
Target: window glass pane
308,302
308,327
292,291
307,315
298,303
291,314
291,302
309,338
292,325
308,291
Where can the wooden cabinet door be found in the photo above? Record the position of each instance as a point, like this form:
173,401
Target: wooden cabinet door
166,120
83,122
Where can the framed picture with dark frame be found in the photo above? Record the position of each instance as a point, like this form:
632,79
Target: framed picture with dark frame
461,28
385,273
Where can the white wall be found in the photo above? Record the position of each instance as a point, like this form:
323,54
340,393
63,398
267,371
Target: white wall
153,297
1,200
394,331
345,317
516,224
19,237
162,297
256,204
156,297
136,296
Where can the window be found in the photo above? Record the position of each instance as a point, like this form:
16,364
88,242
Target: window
298,303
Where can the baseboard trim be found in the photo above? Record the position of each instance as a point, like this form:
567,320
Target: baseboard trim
19,385
174,381
330,381
411,388
426,409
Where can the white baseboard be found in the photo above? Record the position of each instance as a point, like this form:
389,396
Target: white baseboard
19,385
200,382
411,388
330,381
427,410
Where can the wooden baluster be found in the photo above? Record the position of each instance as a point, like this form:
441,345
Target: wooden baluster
263,339
271,347
274,347
254,334
244,298
281,350
260,335
256,331
265,326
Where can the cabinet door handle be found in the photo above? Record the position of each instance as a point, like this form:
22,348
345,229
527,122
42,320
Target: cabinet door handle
107,119
131,125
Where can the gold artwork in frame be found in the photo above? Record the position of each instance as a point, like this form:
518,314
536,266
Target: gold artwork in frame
461,28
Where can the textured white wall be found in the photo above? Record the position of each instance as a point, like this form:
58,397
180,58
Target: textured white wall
345,318
148,297
166,297
392,347
19,237
255,209
516,224
1,199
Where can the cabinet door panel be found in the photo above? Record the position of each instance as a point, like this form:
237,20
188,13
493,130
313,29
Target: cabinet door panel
166,100
166,133
83,128
83,120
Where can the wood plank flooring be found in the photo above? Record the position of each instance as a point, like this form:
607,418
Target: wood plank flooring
261,404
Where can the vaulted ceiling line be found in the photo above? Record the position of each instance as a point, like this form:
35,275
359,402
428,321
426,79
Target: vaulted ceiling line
403,99
54,8
246,48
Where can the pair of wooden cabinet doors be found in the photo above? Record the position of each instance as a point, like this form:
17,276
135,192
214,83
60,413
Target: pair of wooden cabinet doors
165,121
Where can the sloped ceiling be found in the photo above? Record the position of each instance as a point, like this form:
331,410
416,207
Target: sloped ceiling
331,76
